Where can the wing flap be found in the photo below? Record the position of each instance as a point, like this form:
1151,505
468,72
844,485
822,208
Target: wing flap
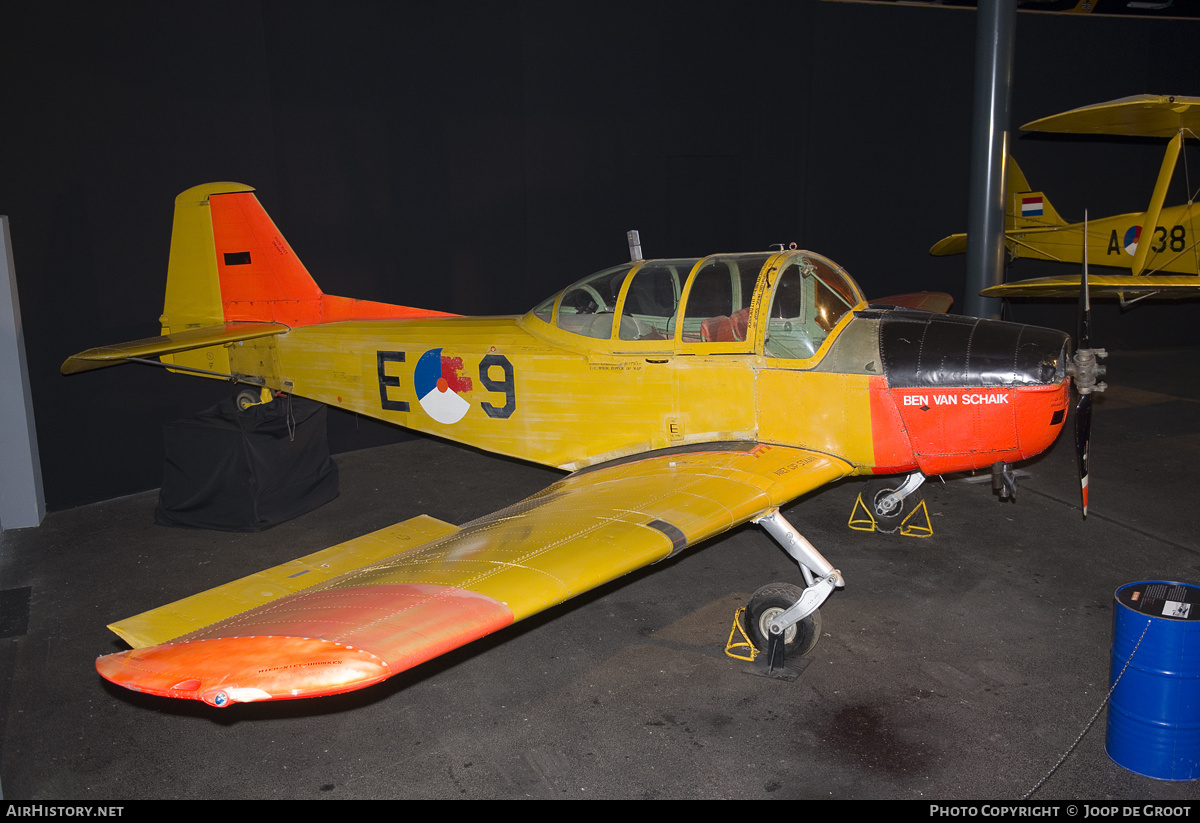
590,528
168,344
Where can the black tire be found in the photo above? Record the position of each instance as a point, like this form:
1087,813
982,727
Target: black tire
873,497
247,398
768,601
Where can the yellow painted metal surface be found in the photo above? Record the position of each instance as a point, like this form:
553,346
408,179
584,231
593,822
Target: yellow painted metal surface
581,532
1126,286
1140,115
193,298
182,341
599,524
791,411
551,398
184,616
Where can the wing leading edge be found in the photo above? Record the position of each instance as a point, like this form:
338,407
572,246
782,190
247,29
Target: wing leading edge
367,624
1124,286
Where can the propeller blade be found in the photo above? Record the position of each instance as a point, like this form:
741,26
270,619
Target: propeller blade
1085,371
1083,440
1083,330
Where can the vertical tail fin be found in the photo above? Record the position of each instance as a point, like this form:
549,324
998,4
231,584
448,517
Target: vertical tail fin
230,263
1027,209
193,297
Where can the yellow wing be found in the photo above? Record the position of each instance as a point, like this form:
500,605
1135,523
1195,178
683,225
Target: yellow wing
1141,115
406,606
1123,286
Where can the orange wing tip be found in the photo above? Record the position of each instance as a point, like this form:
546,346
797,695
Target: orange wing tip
276,652
228,670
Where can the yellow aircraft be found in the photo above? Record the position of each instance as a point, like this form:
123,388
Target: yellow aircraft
1165,264
685,396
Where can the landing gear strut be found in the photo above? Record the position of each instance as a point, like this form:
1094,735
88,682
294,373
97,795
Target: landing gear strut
781,619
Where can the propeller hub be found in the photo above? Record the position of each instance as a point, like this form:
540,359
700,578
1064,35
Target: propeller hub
1085,369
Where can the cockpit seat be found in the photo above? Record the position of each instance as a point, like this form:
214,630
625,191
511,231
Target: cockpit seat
726,329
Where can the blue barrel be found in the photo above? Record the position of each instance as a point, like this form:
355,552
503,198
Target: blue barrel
1154,712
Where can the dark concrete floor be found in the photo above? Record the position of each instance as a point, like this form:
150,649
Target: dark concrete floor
963,666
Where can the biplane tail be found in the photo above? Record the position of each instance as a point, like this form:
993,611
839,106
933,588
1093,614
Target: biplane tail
232,277
1027,209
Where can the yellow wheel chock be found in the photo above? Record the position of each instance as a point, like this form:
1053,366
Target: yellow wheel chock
916,524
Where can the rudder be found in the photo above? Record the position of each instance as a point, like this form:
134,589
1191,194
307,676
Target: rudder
230,263
1027,209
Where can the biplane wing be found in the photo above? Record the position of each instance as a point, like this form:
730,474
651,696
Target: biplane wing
1159,242
376,605
1125,287
1140,115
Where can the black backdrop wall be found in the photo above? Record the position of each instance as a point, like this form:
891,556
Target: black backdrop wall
476,156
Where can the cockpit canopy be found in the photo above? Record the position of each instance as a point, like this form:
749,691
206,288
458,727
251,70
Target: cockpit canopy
710,304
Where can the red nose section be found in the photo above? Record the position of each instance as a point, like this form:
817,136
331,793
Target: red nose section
960,429
962,393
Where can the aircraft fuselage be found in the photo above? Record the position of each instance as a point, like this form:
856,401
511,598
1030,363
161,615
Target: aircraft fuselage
886,390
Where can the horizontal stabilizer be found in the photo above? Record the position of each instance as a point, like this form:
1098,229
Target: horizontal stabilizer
200,610
954,244
169,344
1162,287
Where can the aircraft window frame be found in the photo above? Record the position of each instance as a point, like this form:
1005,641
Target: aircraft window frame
649,324
710,327
594,300
827,294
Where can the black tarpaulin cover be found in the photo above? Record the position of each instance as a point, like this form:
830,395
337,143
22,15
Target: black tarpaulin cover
246,470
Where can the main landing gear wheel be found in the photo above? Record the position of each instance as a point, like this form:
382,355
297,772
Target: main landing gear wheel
771,600
888,510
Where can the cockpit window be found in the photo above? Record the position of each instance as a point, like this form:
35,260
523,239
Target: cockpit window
810,298
718,307
652,300
588,307
640,301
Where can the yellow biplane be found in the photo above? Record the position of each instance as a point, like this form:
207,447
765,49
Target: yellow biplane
685,396
1159,246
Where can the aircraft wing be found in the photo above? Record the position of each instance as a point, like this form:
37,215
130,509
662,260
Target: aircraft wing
954,244
934,301
1142,115
1124,286
169,344
266,638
